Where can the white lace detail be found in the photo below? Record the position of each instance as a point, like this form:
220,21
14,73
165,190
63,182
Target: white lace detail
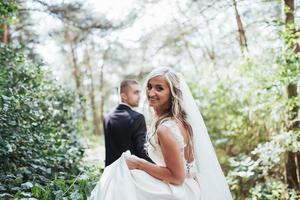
172,125
156,154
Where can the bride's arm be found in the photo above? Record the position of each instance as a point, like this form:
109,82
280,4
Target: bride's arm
174,171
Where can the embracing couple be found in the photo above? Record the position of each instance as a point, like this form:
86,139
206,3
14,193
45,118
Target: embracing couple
179,161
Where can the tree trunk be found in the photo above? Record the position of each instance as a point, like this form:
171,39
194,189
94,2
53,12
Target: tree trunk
76,72
96,121
102,84
292,165
71,41
102,93
5,38
187,47
241,30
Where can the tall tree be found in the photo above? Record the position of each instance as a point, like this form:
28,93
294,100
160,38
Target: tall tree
292,47
102,86
96,120
72,41
7,12
241,30
5,36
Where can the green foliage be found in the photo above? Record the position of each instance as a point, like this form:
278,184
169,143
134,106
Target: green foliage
290,62
246,114
272,189
8,9
40,154
75,188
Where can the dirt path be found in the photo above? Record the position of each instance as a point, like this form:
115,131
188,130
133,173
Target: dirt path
95,151
94,155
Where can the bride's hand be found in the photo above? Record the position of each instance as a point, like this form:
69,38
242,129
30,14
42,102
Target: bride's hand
132,161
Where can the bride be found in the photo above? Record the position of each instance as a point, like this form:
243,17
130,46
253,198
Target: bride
186,166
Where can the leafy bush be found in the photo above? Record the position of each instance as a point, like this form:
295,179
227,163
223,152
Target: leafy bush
272,189
247,118
40,154
7,12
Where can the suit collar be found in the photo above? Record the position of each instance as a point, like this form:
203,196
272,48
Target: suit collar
124,106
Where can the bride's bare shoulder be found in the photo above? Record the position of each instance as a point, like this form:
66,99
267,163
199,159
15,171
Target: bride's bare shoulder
166,138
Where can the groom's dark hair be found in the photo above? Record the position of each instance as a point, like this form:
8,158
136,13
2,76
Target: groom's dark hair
125,84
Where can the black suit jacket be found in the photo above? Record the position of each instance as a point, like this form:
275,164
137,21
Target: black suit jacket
124,129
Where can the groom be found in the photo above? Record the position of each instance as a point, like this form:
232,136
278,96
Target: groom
124,128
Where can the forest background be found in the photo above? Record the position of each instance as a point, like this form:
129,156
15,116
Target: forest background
61,62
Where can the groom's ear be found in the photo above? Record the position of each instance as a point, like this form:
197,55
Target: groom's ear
123,96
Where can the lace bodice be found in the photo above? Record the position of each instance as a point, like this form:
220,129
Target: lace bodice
155,152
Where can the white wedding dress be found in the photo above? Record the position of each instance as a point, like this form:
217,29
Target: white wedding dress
204,180
119,183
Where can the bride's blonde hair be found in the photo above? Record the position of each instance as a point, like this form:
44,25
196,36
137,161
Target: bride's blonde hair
175,110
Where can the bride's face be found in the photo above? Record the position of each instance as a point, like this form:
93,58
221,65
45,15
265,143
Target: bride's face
158,93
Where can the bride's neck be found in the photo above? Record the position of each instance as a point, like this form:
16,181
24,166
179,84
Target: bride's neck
161,115
161,112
